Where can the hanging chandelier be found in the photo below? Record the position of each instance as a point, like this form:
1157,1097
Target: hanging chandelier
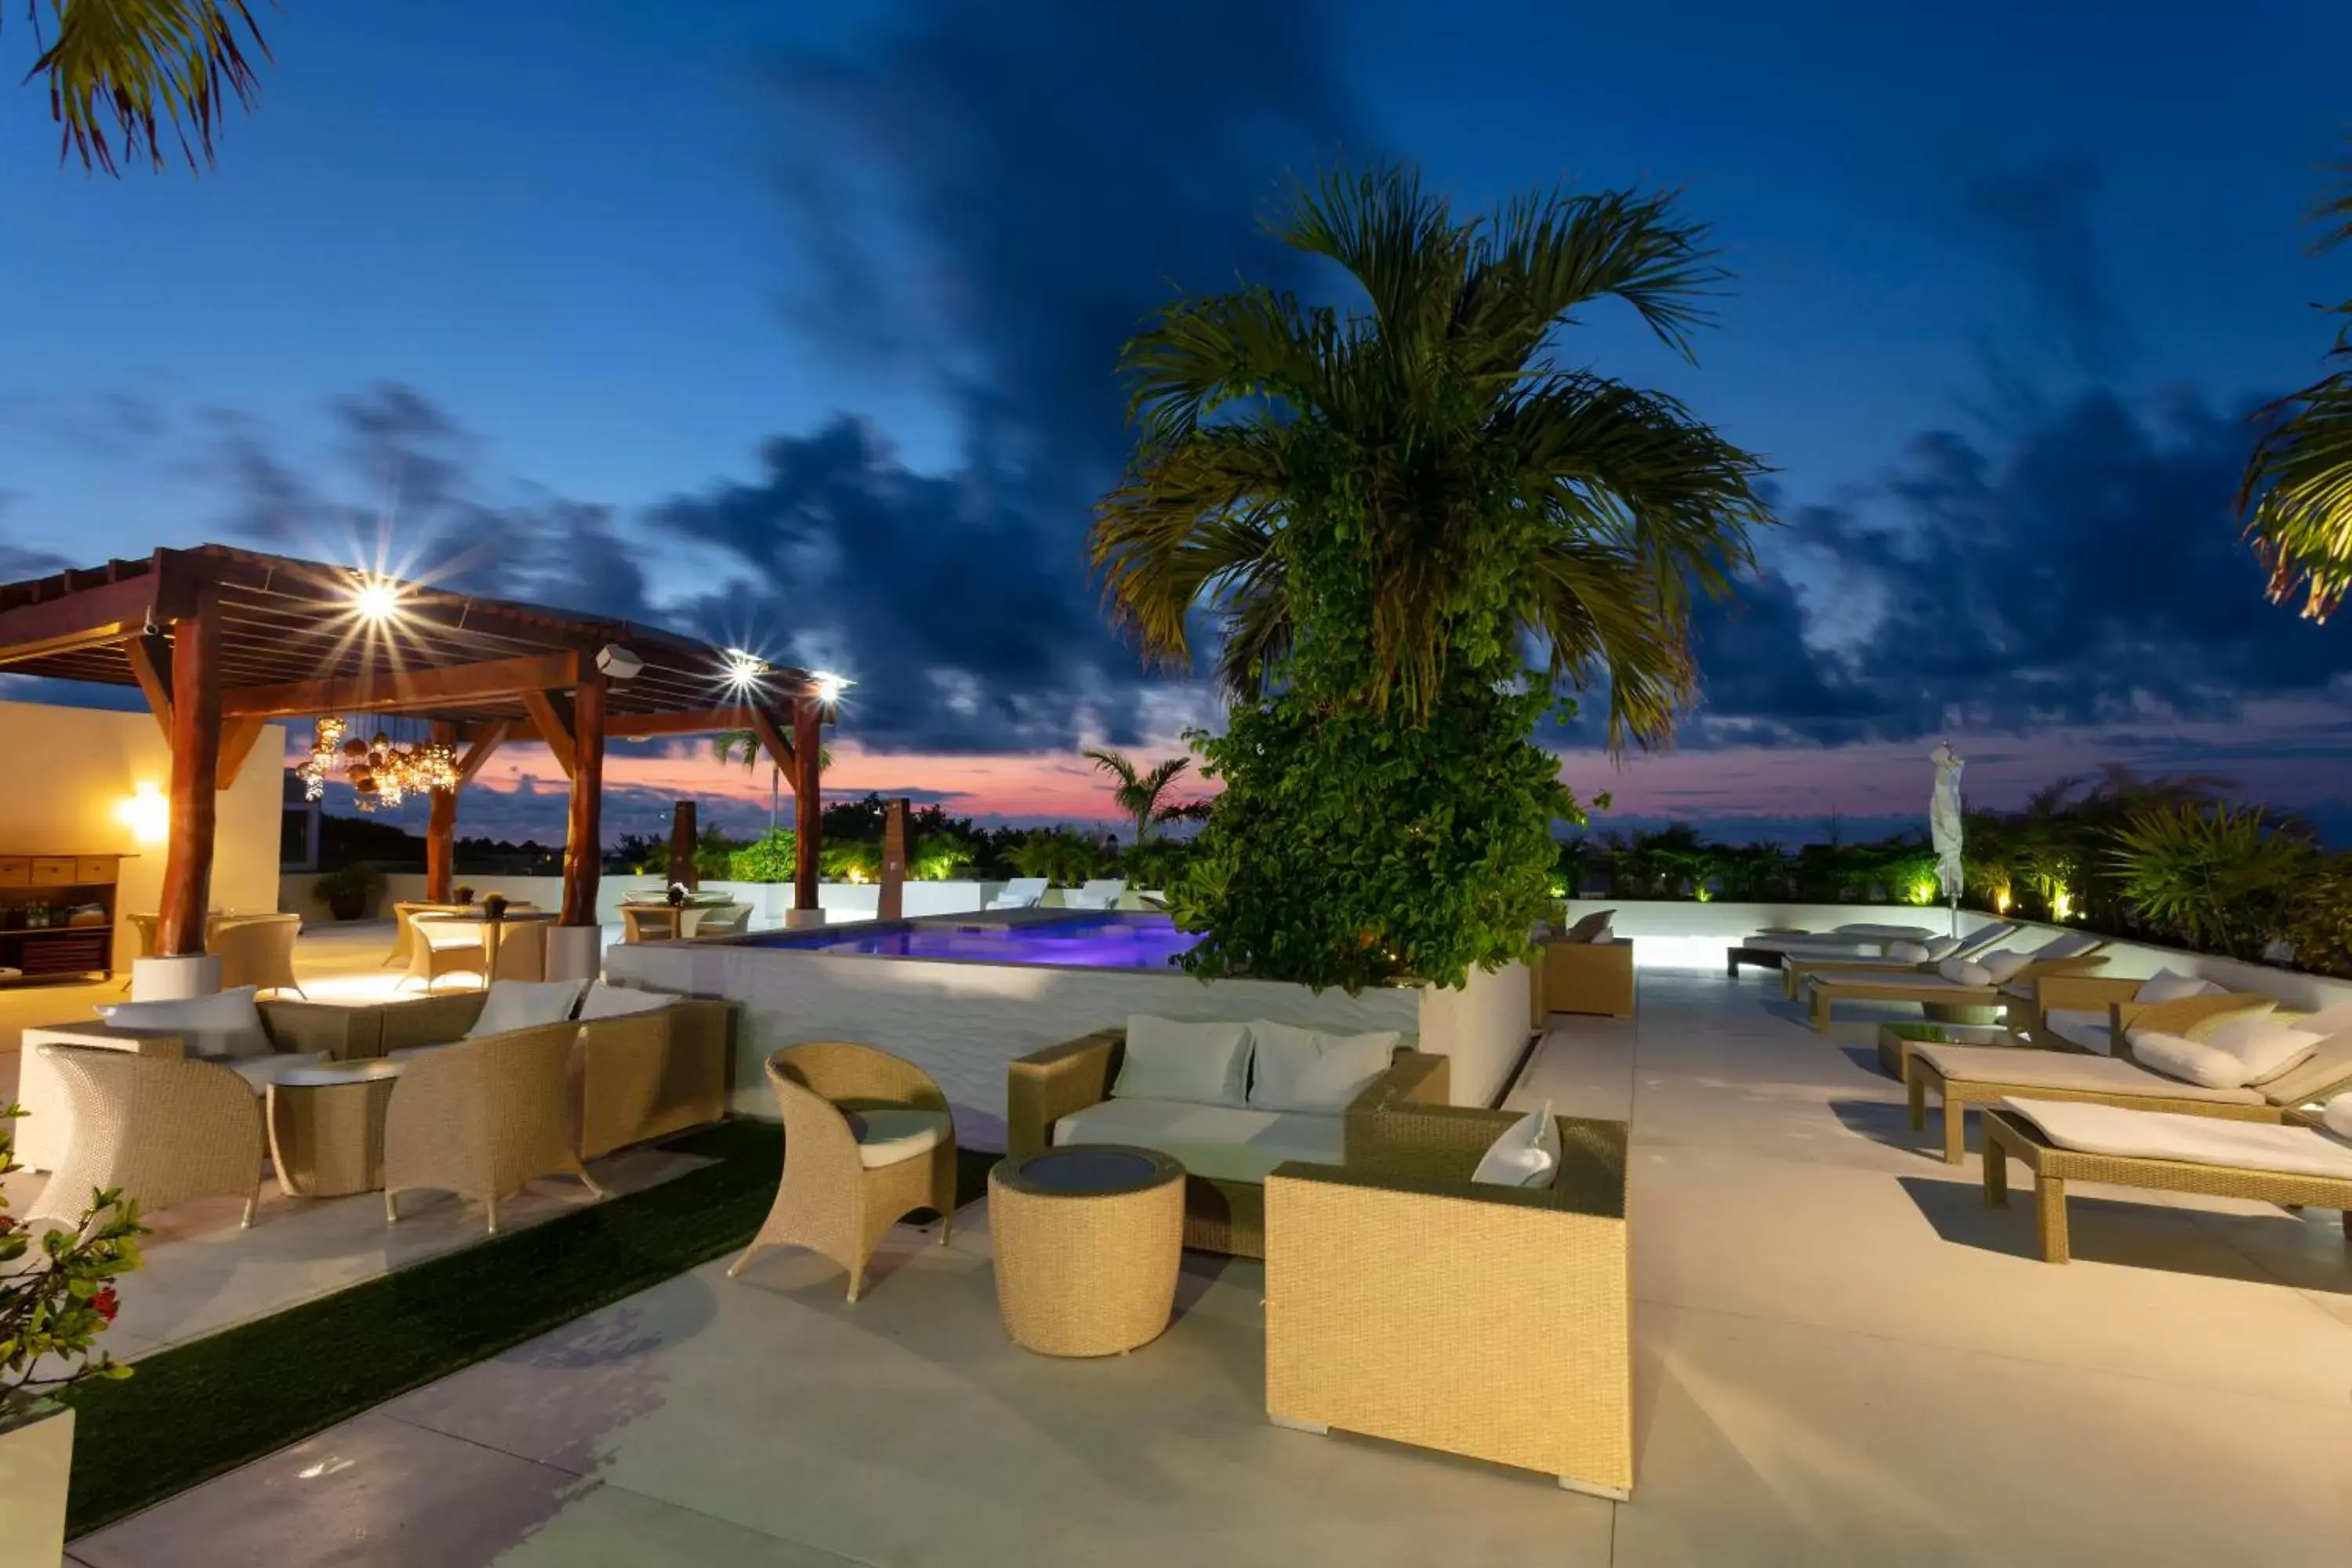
382,771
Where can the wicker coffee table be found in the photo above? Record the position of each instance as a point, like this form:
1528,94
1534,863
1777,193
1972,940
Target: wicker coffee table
1087,1238
326,1127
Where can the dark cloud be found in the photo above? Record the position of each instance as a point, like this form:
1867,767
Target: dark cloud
2042,219
2087,572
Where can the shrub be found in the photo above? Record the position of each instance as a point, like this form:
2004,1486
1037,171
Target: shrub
2215,877
54,1307
767,859
1063,858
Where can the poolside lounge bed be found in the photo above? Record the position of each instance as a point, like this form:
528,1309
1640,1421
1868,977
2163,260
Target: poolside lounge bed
1943,998
1963,1076
2297,1161
1794,969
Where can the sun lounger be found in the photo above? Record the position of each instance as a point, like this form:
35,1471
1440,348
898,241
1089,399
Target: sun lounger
1963,1076
2298,1161
1795,968
1946,999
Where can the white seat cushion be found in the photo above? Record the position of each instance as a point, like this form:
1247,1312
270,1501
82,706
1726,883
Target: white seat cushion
260,1072
889,1134
2031,1070
1305,1069
2195,1140
225,1023
2085,1027
1228,1143
605,1000
523,1004
1169,1059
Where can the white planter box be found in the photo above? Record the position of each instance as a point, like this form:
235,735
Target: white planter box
35,1461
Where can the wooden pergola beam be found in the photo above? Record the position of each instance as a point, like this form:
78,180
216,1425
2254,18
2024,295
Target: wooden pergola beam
553,728
484,742
771,740
150,656
195,771
87,618
395,689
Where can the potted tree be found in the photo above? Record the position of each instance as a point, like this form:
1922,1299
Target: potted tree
56,1296
348,892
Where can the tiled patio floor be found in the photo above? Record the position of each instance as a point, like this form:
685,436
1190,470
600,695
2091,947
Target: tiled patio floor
1841,1357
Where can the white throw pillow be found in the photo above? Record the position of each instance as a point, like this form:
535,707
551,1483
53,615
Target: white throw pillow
1167,1059
1525,1155
1606,933
2166,986
2188,1061
1304,1069
605,1000
225,1023
1937,948
2268,1044
525,1003
1910,952
2003,966
2338,1115
1964,972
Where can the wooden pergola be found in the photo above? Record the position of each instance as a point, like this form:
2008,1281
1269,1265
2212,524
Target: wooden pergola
223,640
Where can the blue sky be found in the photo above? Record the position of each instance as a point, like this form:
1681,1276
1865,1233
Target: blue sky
613,251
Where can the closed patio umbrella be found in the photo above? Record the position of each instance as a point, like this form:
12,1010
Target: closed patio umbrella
1944,825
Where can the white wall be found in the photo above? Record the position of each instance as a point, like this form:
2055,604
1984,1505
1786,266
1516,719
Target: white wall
1483,1026
64,772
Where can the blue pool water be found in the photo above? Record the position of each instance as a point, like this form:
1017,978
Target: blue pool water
1083,942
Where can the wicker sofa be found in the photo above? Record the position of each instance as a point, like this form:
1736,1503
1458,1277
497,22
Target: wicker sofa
1403,1302
1224,1212
1571,977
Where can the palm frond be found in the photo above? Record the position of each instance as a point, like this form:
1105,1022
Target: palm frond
147,67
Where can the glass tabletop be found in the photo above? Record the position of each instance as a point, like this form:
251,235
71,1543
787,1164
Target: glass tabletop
1086,1170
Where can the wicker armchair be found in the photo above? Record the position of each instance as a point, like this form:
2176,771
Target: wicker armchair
161,1129
1403,1302
481,1117
1219,1215
1581,977
845,1107
444,945
257,951
649,922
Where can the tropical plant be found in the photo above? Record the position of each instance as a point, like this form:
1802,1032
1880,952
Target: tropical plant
1160,863
941,855
2296,497
148,66
53,1309
1471,490
770,858
2220,878
348,890
1141,793
728,745
1385,510
1063,858
850,860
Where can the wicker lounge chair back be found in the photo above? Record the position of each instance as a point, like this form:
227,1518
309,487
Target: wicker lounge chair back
257,951
1985,937
481,1117
2326,1071
161,1129
2068,944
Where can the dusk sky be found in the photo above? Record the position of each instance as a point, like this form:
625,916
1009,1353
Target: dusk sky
799,334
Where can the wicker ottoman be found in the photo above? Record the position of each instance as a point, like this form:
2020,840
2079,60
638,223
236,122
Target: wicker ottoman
1087,1238
326,1127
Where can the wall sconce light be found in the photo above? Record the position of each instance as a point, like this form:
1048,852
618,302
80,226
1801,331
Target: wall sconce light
147,814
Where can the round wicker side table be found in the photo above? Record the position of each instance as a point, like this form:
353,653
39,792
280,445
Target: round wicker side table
1087,1238
326,1127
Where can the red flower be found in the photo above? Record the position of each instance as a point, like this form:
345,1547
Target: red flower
106,1303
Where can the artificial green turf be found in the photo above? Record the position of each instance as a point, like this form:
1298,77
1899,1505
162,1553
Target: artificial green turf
193,1412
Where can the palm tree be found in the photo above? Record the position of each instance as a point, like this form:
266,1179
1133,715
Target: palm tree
727,743
2296,498
147,66
1140,790
1435,429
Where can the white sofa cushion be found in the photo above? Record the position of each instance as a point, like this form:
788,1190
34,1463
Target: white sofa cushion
2268,1044
1964,972
2166,986
525,1003
1168,1058
1226,1143
1523,1155
2084,1027
2176,1056
225,1025
605,1000
1305,1069
2065,1069
2197,1140
889,1134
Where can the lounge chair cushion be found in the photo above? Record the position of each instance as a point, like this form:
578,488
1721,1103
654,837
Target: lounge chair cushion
524,1004
2166,986
260,1072
2069,944
2003,966
605,1000
1525,1155
2338,1114
1937,948
1223,1142
888,1133
2080,1027
2178,1056
1964,972
1305,1069
2327,1071
1908,951
2195,1140
2267,1043
2031,1070
222,1026
1885,933
1205,1063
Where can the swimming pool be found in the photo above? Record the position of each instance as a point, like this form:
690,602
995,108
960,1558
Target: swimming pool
1081,941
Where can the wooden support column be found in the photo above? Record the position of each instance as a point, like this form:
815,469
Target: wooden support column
441,830
685,837
584,849
195,770
808,811
893,902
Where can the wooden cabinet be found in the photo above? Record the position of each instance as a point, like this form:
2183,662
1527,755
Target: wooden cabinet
16,872
59,888
96,870
53,870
